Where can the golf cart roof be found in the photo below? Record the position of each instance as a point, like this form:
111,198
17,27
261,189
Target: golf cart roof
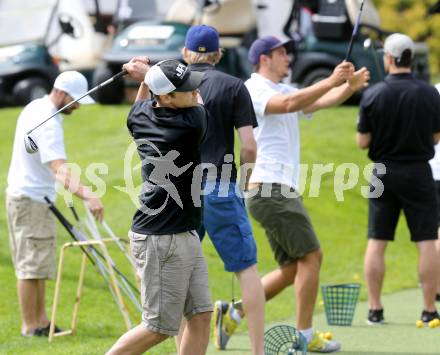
370,15
25,20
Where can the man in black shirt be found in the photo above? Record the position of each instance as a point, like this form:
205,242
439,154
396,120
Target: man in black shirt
224,214
399,122
168,132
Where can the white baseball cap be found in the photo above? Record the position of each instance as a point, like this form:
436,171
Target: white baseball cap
75,84
397,43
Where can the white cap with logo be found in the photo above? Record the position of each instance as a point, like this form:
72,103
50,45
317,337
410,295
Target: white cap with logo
74,84
397,43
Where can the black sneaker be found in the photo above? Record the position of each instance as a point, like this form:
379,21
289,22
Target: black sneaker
426,316
375,316
45,331
437,297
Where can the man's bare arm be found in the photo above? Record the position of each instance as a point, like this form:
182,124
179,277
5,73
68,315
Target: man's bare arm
340,94
299,100
136,68
143,93
72,183
363,140
248,153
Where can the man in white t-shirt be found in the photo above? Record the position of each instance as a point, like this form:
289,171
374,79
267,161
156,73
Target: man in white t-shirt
435,166
272,199
31,177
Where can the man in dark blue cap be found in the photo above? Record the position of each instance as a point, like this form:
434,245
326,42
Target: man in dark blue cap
225,219
273,198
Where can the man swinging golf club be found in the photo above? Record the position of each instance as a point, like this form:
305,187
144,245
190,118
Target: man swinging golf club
273,199
168,131
31,177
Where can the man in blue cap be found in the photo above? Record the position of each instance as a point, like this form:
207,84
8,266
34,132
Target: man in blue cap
225,219
273,199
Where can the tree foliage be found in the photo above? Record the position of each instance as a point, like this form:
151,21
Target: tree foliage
411,17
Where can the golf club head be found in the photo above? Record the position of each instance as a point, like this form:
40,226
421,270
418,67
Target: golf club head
30,145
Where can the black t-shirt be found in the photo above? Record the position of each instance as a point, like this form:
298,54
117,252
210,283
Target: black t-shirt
168,143
402,113
229,106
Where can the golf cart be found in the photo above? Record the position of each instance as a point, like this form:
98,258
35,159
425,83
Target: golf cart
38,38
324,45
161,35
320,28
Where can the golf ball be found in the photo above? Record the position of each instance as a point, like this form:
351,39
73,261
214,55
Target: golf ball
328,336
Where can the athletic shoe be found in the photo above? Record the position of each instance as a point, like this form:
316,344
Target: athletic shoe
224,324
426,316
319,344
375,317
36,333
45,331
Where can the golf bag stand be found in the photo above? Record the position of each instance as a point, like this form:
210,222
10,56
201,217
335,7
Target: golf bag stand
113,282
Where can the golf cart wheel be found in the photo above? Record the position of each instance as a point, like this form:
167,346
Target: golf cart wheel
315,76
111,94
29,89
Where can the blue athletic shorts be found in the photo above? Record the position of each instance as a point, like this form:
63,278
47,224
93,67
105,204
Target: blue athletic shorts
227,224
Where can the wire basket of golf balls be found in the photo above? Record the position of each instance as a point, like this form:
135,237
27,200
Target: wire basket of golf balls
284,340
340,303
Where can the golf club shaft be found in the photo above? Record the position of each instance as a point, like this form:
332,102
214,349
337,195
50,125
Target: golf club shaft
102,268
97,87
98,253
355,31
66,225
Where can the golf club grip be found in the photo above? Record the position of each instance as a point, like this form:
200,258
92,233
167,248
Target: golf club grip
109,81
57,213
75,214
349,50
355,31
120,75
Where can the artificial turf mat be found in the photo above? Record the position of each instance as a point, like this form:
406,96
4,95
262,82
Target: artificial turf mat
399,336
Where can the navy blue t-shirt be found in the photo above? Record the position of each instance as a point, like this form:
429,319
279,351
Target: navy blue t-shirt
402,114
229,106
168,143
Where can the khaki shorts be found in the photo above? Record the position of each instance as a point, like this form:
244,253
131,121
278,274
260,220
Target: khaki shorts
174,279
285,220
31,238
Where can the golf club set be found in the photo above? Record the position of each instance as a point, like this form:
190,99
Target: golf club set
87,228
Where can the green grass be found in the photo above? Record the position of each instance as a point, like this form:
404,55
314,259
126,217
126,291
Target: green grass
99,135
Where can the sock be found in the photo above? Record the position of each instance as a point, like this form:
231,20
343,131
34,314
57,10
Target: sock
308,334
235,315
